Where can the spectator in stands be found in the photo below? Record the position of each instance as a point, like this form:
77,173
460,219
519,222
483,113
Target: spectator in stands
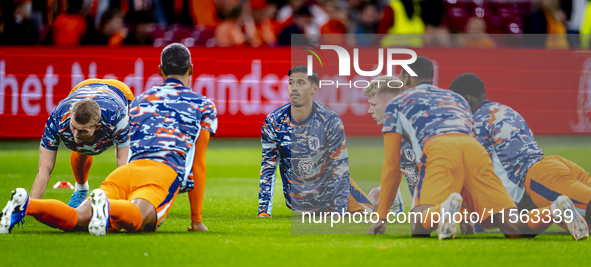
367,26
436,32
69,27
319,16
585,28
111,30
20,28
272,14
183,12
402,17
337,22
284,16
354,11
285,13
301,19
332,32
259,29
476,35
187,12
204,13
575,13
141,25
229,32
556,21
546,18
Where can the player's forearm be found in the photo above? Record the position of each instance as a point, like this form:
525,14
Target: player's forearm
196,201
46,163
390,182
199,173
390,179
267,177
122,154
40,184
196,195
121,161
265,189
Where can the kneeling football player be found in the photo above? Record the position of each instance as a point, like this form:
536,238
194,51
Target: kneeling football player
528,175
380,91
455,172
307,140
170,126
89,121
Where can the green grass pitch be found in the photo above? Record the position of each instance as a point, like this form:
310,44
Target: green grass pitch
238,238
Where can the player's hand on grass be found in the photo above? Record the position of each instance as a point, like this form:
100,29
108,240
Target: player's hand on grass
264,215
197,227
377,228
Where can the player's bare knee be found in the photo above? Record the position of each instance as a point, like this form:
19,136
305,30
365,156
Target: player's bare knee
148,215
84,212
374,194
416,224
513,230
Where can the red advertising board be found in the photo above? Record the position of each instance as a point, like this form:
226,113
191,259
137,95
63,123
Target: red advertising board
551,89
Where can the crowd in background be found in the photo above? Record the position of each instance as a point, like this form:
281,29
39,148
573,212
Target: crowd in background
271,23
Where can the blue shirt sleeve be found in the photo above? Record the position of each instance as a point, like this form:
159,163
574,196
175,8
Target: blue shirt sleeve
268,166
51,138
392,119
209,118
121,132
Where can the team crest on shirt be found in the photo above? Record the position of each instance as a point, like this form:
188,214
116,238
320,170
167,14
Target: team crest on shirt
304,168
314,143
409,154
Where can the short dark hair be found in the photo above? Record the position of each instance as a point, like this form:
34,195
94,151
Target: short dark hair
175,59
468,84
304,69
423,67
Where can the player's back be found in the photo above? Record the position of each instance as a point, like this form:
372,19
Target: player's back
113,104
98,92
508,140
165,124
426,111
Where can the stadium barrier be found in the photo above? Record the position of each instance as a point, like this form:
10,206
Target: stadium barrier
550,88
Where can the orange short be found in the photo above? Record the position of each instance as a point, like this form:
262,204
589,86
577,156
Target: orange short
115,83
554,176
458,163
144,179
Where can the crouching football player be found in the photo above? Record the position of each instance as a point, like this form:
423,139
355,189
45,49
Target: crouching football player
170,129
307,139
455,171
520,163
89,121
380,91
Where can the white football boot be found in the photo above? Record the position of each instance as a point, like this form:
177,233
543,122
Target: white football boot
446,229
